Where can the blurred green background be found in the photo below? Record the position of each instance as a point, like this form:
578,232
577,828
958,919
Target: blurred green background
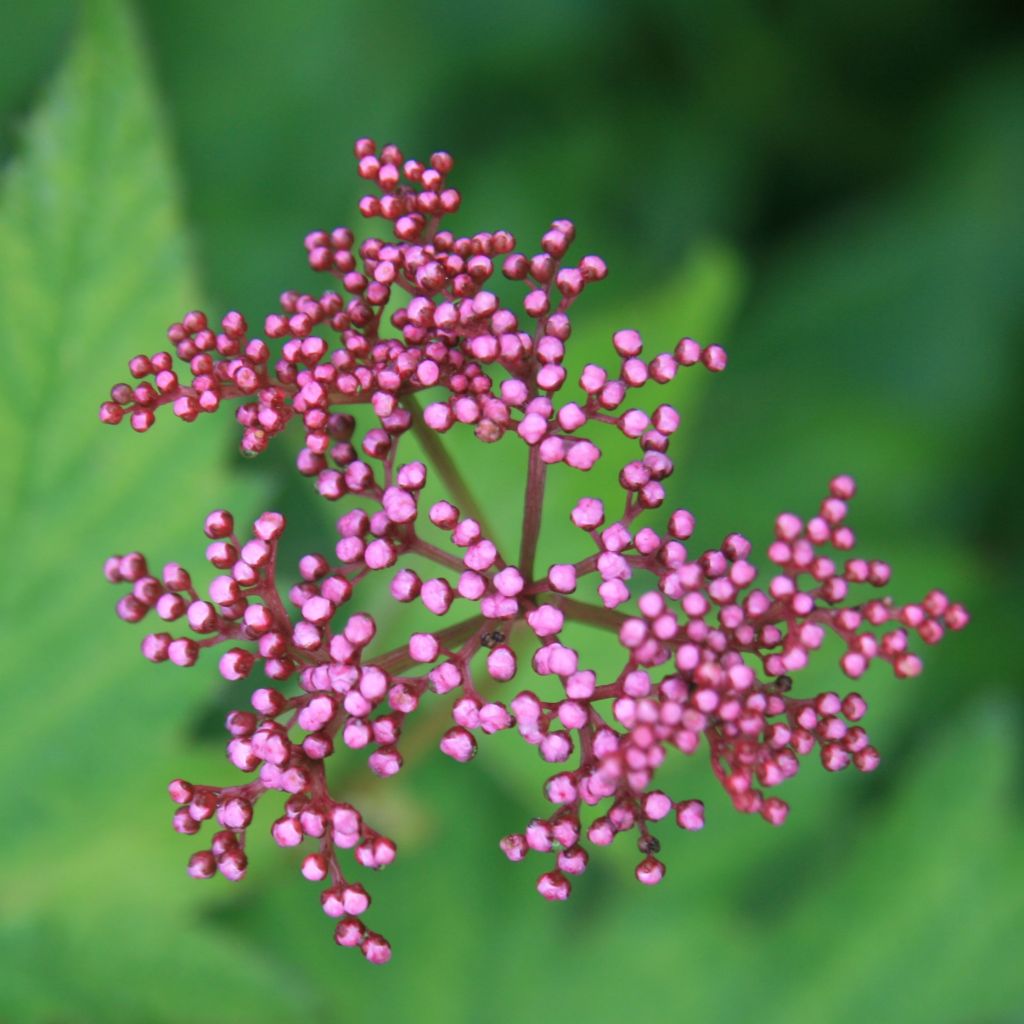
832,191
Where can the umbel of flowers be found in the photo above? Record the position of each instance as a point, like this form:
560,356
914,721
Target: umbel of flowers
410,339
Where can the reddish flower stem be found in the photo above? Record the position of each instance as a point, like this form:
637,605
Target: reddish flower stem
536,475
398,659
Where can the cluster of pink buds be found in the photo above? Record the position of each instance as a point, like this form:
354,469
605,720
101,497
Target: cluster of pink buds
709,647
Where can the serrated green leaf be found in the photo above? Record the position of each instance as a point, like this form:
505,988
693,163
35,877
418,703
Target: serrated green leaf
93,265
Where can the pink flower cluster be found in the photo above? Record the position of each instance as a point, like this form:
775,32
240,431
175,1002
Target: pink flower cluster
709,646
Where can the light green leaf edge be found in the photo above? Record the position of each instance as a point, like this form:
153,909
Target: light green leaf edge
94,263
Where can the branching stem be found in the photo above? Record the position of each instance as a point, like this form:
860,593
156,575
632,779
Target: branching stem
536,476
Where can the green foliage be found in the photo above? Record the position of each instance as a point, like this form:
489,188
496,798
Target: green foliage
861,262
99,923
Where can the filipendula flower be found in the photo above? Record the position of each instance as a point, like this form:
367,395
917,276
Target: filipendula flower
708,643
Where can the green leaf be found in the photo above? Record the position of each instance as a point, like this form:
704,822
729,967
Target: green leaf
925,899
93,265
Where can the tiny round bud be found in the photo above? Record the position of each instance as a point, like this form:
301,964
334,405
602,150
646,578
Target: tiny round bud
553,885
202,864
650,871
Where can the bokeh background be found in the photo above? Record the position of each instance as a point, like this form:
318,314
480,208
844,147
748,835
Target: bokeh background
832,191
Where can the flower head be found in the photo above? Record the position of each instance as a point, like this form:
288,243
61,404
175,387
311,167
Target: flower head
708,644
